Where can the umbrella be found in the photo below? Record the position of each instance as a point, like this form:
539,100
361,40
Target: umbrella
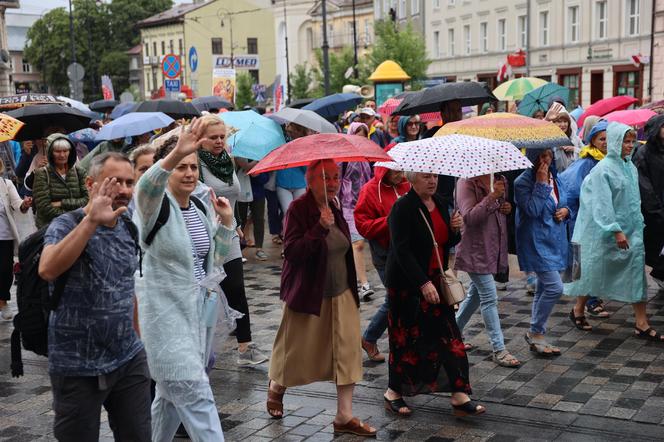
632,117
305,118
304,150
576,113
173,108
607,105
38,118
538,99
133,124
253,135
75,104
460,156
517,88
391,104
103,105
123,109
523,132
9,127
300,102
16,101
468,93
87,135
657,106
332,105
211,102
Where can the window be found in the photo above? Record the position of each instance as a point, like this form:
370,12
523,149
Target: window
571,81
628,83
436,4
502,40
147,50
154,48
466,39
378,5
484,37
349,33
310,39
601,19
414,7
252,46
26,66
401,12
330,34
451,2
573,24
523,31
170,46
367,33
544,28
180,47
217,46
436,44
450,42
632,8
163,48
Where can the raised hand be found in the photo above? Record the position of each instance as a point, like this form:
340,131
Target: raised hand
190,138
100,210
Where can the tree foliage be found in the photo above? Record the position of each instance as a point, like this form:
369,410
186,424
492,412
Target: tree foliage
115,64
300,82
340,63
403,45
244,96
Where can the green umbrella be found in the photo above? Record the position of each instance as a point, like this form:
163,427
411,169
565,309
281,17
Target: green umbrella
539,98
517,88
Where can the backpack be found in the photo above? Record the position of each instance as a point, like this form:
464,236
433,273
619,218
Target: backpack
164,213
33,299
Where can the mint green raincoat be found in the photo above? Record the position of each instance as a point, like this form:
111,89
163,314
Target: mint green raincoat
610,202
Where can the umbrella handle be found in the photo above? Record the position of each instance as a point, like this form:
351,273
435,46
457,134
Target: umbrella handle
491,179
327,204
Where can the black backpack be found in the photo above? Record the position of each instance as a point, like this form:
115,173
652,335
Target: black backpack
164,213
32,296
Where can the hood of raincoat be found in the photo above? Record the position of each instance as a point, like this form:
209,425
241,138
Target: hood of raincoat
533,154
354,127
401,128
614,137
652,129
49,149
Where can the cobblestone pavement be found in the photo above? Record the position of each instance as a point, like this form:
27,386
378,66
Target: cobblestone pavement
606,385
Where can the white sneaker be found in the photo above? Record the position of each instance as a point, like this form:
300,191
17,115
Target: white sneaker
252,356
6,313
502,286
365,291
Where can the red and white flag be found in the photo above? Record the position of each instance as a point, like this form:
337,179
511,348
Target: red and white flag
504,72
638,60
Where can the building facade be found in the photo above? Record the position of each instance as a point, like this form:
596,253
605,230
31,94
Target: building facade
6,86
402,12
657,59
24,77
587,45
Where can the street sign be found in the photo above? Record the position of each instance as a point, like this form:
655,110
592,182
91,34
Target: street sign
75,71
126,97
172,85
170,66
193,59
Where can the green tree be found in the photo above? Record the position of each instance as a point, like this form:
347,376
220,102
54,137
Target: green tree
244,96
405,46
116,65
300,82
340,63
125,14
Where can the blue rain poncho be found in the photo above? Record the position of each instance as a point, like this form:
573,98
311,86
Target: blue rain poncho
610,203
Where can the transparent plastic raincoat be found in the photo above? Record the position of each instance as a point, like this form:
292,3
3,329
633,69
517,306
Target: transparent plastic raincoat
610,203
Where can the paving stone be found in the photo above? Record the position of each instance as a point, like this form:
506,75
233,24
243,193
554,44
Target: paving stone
567,406
620,413
306,430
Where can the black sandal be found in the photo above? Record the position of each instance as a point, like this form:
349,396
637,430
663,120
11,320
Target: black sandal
469,408
645,334
396,405
580,322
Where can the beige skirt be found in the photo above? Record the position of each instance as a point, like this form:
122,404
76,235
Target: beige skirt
310,348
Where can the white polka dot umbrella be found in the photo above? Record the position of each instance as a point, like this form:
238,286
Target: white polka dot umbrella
460,156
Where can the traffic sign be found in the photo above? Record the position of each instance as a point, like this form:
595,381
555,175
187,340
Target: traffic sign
75,71
172,85
193,59
170,66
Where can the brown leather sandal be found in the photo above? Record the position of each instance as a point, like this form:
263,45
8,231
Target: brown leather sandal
275,402
356,427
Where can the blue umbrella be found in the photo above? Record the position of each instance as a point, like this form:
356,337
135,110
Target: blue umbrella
133,124
253,135
540,98
576,113
333,105
123,109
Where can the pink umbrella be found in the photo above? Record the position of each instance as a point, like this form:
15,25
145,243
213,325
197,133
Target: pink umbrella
391,105
632,117
607,105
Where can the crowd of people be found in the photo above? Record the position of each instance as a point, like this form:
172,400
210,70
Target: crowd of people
150,239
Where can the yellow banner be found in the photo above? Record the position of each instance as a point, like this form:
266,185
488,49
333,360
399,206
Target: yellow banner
9,127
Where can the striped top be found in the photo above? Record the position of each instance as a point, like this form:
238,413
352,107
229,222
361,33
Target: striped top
199,238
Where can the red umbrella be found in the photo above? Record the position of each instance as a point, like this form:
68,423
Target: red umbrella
391,105
632,117
337,147
608,105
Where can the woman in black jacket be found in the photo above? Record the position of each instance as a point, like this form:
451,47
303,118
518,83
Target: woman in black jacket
423,332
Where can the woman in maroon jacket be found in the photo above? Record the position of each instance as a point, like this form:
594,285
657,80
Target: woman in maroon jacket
319,335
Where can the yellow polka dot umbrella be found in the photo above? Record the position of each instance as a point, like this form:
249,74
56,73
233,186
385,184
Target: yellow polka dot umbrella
523,132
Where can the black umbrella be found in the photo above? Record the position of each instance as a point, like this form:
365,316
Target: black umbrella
173,108
469,93
103,105
211,102
300,102
39,117
15,101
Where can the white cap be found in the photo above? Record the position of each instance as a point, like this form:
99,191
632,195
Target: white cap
368,111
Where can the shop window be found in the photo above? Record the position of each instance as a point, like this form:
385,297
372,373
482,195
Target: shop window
217,46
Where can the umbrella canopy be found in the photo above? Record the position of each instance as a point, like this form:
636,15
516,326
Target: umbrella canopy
576,113
657,106
460,156
103,105
253,135
87,135
133,124
211,102
173,108
390,105
607,105
539,99
305,118
333,105
75,104
523,132
632,117
304,150
9,127
123,109
15,101
517,88
468,93
38,118
300,102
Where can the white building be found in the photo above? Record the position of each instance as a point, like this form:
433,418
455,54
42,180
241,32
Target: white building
586,45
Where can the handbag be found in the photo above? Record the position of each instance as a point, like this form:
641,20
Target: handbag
448,285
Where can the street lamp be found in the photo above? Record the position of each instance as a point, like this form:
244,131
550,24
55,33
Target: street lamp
230,22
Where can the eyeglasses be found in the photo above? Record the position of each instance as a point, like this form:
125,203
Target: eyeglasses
412,124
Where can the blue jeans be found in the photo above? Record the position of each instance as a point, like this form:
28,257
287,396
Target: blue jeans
482,293
549,291
378,323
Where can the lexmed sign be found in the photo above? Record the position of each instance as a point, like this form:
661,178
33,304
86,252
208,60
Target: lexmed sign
238,62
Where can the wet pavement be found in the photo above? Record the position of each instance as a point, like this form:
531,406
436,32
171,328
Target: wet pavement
607,385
